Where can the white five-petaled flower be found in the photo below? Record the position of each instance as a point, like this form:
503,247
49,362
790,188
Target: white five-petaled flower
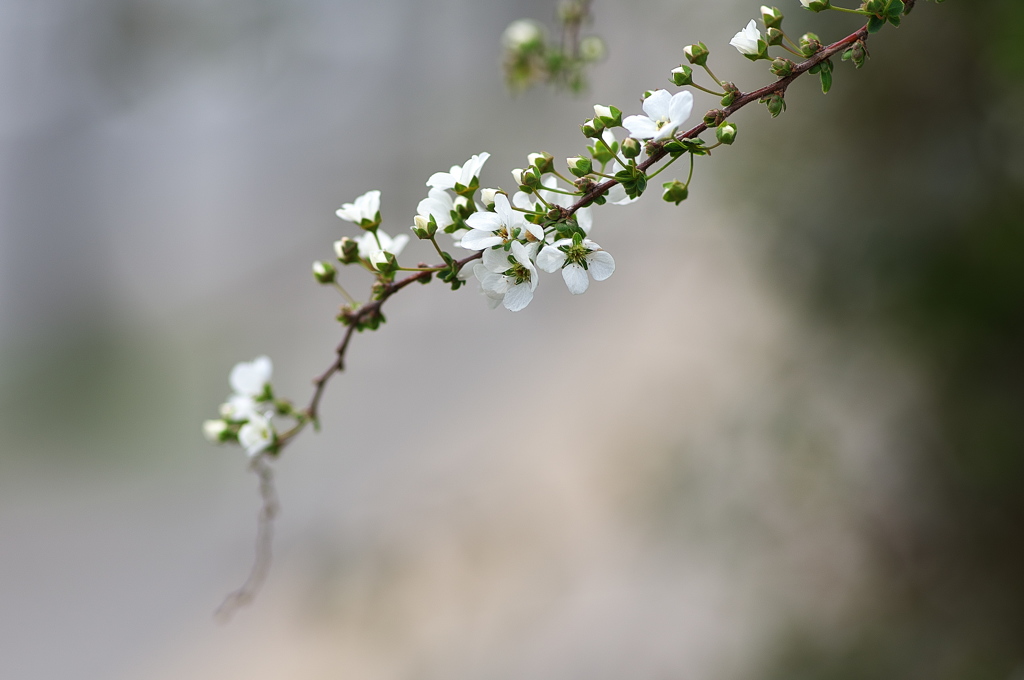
439,205
508,278
363,209
499,227
249,380
462,175
746,41
665,113
575,260
369,245
257,434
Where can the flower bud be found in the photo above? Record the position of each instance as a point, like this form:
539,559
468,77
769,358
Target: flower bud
697,54
675,192
810,44
591,128
487,197
771,16
732,93
347,250
822,5
774,36
544,162
782,67
714,118
383,261
681,76
592,48
579,166
216,431
528,179
630,148
858,53
776,104
424,228
522,35
608,115
324,272
726,132
873,6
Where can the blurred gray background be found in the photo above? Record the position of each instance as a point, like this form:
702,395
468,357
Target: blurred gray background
784,440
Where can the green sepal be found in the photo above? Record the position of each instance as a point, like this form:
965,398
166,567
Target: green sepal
634,181
875,24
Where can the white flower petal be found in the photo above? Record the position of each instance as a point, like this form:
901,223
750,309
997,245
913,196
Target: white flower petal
576,279
478,239
601,264
496,260
249,377
656,106
550,259
518,296
640,127
680,107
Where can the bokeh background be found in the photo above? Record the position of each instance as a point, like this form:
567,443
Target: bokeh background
784,440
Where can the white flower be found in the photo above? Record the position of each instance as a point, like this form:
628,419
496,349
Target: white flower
239,407
575,260
364,209
250,377
521,33
746,41
510,279
368,244
665,113
257,434
499,227
462,175
438,204
213,430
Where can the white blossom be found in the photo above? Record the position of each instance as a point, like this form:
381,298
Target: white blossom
369,244
363,209
438,204
508,278
665,113
250,377
746,41
575,261
520,33
462,175
257,434
499,227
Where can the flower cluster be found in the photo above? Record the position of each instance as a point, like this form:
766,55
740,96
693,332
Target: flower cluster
246,415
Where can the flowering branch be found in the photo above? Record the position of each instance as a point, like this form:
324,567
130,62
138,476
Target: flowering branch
545,225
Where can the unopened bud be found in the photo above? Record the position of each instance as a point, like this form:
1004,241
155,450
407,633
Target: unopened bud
771,16
544,162
726,132
630,148
591,128
714,118
424,228
810,44
822,5
216,431
347,250
580,166
608,115
592,48
774,36
776,104
782,67
732,93
487,196
681,76
522,35
675,192
324,272
383,261
697,54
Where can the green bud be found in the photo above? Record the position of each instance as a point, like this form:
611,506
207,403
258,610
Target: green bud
771,16
424,228
608,115
818,5
347,250
324,272
544,162
875,6
631,148
714,118
487,197
384,262
591,128
726,132
217,431
579,166
810,44
675,192
776,104
528,179
732,93
858,53
697,54
782,67
681,76
774,36
592,48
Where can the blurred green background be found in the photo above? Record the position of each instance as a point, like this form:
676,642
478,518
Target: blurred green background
784,440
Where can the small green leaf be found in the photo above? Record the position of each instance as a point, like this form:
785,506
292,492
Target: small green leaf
875,24
826,81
